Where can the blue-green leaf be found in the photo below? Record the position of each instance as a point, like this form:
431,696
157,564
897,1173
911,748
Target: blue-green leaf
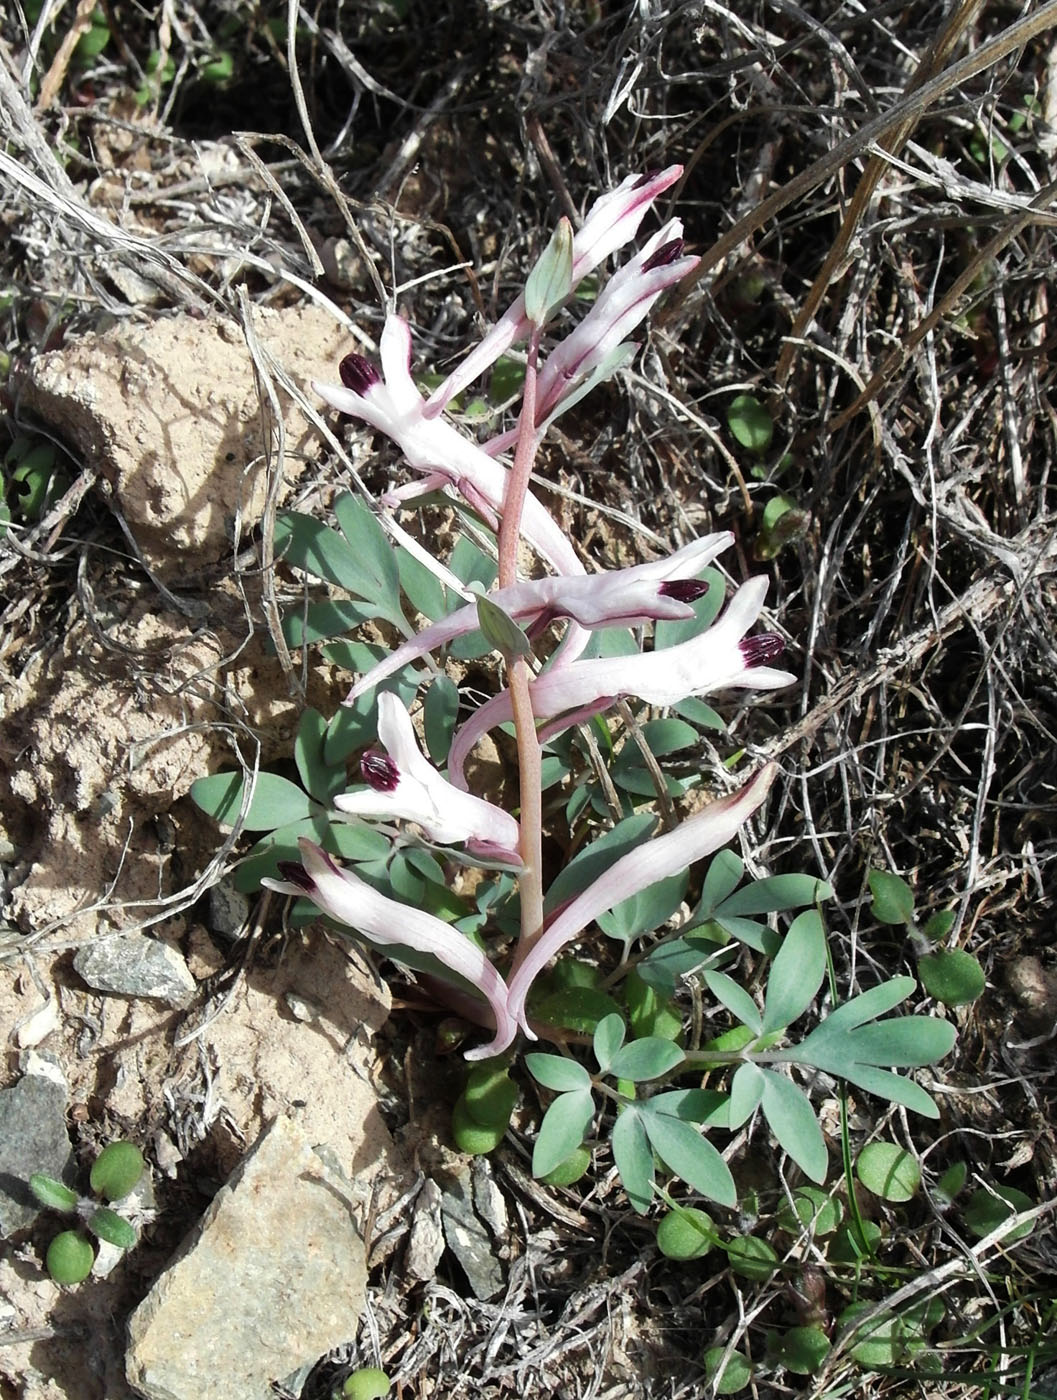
707,1107
440,711
796,973
746,1091
557,1073
608,1038
735,998
276,801
648,1058
330,617
373,550
321,780
633,1158
774,894
594,860
721,880
706,610
423,589
793,1122
690,1156
562,1130
647,909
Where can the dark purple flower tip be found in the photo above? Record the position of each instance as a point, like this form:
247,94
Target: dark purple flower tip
379,771
645,178
764,647
665,254
296,874
685,590
358,374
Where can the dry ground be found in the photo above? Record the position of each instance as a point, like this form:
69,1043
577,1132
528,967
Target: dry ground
872,190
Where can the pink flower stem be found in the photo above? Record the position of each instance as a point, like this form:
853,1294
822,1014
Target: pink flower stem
518,674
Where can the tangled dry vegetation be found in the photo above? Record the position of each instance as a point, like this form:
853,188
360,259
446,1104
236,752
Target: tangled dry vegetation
872,190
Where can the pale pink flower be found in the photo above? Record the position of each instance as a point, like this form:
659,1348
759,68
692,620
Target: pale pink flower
402,784
665,855
663,589
721,658
612,221
350,900
391,403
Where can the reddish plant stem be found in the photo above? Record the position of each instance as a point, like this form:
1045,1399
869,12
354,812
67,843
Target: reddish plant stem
518,674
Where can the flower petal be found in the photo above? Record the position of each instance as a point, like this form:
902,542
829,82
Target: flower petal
350,900
665,855
612,221
417,792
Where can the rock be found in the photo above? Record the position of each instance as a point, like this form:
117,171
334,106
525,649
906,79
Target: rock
467,1237
33,1138
273,1277
426,1243
170,413
131,965
38,1025
229,909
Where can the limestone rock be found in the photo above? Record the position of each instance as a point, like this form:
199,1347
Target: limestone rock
170,413
132,965
33,1138
274,1276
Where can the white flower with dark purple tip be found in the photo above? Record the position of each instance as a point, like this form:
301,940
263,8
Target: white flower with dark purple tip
391,403
612,221
721,658
350,900
402,784
665,855
623,304
662,590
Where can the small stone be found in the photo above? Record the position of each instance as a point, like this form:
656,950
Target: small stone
489,1199
33,1138
128,964
467,1237
38,1025
301,1008
426,1244
229,910
272,1278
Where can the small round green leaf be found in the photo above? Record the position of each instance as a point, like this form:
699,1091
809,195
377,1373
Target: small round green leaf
52,1193
115,1229
572,1169
950,1183
802,1350
750,423
686,1233
845,1247
811,1208
472,1137
986,1210
888,1171
893,899
369,1383
728,1379
752,1258
117,1170
490,1096
70,1258
952,977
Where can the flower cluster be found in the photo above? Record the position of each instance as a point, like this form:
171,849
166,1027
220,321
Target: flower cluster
398,781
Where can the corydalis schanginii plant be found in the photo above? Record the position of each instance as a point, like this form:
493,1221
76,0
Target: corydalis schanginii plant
399,782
